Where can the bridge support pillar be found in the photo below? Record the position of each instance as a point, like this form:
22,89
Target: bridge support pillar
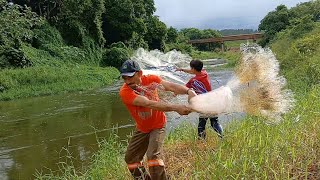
222,46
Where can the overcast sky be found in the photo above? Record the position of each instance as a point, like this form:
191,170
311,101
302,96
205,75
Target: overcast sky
217,14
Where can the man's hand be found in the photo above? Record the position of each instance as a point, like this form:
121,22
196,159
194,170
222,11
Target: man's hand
191,94
183,109
179,69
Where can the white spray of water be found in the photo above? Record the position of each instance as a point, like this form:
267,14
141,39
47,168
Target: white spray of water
157,59
163,64
256,88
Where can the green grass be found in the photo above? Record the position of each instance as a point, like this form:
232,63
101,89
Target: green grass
108,163
251,149
46,80
70,69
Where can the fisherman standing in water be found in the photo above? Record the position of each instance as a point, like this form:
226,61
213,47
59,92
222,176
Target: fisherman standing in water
140,96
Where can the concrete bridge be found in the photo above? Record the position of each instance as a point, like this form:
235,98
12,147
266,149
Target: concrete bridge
223,39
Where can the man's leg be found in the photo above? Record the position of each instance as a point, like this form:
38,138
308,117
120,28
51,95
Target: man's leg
136,149
155,154
202,128
216,126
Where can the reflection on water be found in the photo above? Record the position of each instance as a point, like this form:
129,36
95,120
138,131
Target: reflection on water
38,133
34,132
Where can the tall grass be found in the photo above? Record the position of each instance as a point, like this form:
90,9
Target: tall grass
108,163
44,80
67,71
250,149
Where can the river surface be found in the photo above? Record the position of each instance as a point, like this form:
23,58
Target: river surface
38,133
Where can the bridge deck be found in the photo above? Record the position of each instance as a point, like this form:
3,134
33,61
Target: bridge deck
228,38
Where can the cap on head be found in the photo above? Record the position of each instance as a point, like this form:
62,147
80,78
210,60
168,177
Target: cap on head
129,67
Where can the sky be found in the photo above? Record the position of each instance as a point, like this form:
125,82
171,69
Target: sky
217,14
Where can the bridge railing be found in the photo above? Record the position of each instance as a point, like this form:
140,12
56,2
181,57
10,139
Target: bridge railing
254,36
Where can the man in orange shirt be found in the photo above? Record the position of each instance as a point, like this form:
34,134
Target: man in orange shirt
140,96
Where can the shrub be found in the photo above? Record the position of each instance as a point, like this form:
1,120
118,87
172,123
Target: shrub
137,41
308,45
118,45
114,57
17,24
183,47
46,34
16,58
302,26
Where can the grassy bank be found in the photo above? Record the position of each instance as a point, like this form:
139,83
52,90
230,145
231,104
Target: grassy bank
250,150
42,80
68,69
52,74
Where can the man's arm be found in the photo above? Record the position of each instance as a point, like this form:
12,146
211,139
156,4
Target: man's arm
185,70
161,106
178,89
173,87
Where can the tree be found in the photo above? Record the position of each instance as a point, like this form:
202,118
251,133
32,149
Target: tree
149,7
79,19
122,18
274,22
301,26
16,24
312,8
172,35
191,33
156,33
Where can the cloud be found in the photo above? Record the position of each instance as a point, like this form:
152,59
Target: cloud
217,14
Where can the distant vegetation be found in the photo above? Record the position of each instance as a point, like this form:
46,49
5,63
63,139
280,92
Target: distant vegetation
227,32
300,19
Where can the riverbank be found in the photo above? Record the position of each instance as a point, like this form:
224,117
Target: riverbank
46,80
54,77
250,149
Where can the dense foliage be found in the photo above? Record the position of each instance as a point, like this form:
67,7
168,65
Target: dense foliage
65,34
301,17
81,31
17,25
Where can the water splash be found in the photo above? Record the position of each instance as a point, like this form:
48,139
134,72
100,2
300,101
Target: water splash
257,88
163,64
157,59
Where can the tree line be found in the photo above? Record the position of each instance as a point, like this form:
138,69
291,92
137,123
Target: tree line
99,30
105,32
300,18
